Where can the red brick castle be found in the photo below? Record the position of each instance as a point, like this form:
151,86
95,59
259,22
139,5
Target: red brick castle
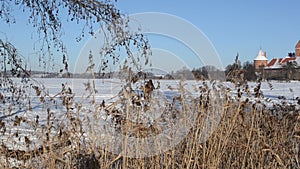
279,68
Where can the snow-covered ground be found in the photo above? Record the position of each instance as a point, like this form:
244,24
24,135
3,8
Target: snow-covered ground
108,90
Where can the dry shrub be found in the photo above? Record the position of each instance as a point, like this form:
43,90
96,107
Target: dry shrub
249,134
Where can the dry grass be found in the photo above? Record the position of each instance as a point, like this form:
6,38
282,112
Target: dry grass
249,135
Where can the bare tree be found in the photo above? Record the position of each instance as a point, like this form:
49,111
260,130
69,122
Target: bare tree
49,18
46,18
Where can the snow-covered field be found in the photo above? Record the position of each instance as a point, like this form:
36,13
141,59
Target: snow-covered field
107,90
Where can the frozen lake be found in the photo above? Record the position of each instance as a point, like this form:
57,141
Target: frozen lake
108,90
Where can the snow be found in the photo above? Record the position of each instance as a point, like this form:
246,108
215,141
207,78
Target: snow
108,90
261,55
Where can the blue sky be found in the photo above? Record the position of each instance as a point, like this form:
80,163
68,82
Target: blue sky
231,26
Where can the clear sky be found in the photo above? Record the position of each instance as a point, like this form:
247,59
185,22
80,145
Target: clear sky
231,26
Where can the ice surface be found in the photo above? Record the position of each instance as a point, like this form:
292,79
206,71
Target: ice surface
108,90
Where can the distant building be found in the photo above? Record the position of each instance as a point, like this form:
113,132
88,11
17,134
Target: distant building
260,60
281,62
297,49
278,68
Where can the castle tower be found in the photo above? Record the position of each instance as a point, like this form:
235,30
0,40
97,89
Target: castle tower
297,49
261,60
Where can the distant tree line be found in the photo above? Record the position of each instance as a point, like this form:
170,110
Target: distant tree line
202,73
245,71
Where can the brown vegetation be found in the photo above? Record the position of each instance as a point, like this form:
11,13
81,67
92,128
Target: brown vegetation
249,135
